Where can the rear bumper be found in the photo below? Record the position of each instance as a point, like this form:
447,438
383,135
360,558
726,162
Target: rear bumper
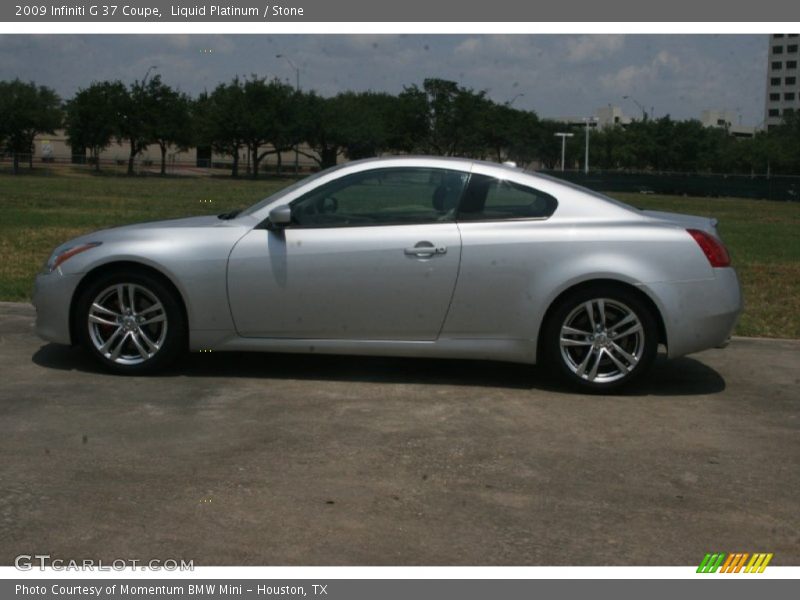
52,296
699,315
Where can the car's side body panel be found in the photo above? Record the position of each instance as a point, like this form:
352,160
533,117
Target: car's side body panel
193,258
698,314
511,272
354,290
344,283
52,297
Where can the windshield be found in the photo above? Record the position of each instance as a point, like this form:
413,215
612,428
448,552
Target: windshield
286,191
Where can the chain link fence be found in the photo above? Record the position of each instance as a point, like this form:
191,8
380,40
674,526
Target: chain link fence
45,165
776,187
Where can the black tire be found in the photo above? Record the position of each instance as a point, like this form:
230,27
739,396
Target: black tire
144,347
601,361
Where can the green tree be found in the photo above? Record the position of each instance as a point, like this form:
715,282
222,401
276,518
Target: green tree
136,114
605,148
355,124
411,131
25,111
374,131
783,148
93,117
497,126
446,119
271,108
508,133
170,118
318,120
548,146
222,120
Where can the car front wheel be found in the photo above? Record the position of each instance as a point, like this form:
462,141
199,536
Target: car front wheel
131,323
601,338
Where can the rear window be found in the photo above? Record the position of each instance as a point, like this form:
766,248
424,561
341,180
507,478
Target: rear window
491,199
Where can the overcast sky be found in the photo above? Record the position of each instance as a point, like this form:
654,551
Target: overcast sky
559,75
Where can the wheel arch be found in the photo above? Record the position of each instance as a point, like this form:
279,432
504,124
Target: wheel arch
115,266
615,283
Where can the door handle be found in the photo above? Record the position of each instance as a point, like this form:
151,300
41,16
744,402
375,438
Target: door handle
425,250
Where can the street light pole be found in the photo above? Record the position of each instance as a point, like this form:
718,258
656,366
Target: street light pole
563,137
146,73
296,89
637,103
510,102
587,120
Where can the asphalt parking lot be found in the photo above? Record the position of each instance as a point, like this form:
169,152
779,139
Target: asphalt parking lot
278,459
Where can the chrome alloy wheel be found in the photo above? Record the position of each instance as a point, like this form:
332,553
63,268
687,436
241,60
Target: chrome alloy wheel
127,323
602,340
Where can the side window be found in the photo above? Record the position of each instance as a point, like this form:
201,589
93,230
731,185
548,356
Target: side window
490,199
396,196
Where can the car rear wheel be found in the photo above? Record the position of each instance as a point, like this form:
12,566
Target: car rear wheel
601,338
131,323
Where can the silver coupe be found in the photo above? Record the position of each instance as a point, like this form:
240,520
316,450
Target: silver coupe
403,256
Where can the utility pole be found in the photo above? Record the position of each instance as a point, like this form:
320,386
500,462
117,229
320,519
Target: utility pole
563,137
588,121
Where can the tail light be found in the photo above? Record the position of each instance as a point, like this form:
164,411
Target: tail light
712,247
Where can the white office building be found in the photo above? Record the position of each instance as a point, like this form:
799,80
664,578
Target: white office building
783,75
728,120
602,118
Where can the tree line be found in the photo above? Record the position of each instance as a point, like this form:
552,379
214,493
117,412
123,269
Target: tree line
257,117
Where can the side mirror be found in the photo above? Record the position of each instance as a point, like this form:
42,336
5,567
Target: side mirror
280,216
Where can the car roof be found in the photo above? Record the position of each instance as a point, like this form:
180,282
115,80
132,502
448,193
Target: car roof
454,161
579,201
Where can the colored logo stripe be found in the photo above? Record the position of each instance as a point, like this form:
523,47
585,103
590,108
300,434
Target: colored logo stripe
734,562
711,563
758,563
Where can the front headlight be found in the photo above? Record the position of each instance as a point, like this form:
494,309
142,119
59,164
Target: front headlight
58,258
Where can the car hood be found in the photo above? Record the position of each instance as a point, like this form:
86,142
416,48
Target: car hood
156,227
687,221
204,221
149,230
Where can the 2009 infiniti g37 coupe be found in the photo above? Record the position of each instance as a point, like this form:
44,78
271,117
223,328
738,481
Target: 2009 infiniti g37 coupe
403,256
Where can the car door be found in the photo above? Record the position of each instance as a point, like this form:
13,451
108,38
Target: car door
370,256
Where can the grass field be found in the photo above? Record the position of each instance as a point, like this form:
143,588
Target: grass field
39,211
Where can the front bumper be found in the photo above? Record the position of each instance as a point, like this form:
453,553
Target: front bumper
52,297
699,315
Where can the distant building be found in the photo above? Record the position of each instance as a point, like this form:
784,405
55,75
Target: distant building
56,148
606,116
728,120
783,76
609,116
